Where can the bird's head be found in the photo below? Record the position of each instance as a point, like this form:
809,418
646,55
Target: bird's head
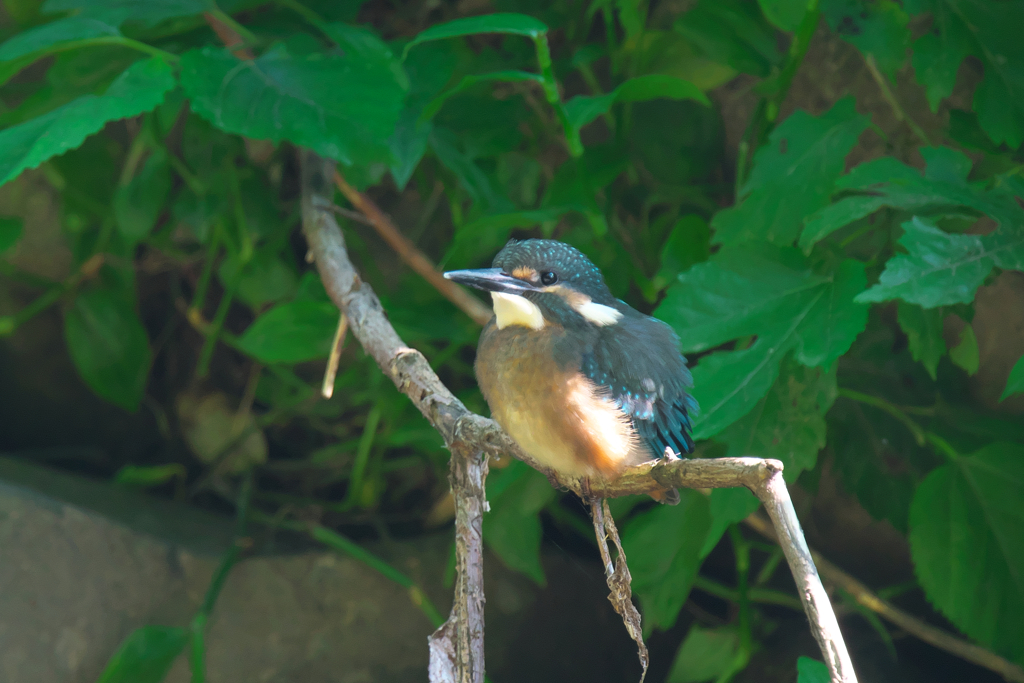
537,282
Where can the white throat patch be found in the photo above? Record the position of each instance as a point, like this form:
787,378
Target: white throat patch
512,309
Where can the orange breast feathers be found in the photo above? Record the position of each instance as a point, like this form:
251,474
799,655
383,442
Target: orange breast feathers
557,416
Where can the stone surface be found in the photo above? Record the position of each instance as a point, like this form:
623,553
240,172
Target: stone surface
76,582
84,563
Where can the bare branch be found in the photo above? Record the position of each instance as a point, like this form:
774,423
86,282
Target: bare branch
618,578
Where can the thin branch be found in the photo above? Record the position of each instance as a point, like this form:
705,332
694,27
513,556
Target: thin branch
890,98
412,256
457,647
618,577
912,625
774,495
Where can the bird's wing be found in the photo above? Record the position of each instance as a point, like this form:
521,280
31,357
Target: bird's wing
638,362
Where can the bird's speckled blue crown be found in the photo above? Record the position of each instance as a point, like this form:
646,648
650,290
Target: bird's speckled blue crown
571,265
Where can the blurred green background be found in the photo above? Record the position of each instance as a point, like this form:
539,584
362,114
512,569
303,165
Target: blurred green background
822,197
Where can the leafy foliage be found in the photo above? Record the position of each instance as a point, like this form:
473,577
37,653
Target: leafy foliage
965,536
822,285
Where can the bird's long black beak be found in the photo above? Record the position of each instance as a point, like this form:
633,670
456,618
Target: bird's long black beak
489,280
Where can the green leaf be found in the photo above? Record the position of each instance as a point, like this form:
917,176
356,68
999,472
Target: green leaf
11,230
148,12
728,506
663,551
511,76
429,73
140,88
291,332
923,327
512,528
138,204
472,178
145,656
769,292
1015,382
965,354
985,30
367,46
941,268
811,671
728,384
968,551
337,105
515,24
705,655
784,14
878,29
43,39
788,424
151,475
792,176
688,243
942,188
266,278
583,109
731,32
109,346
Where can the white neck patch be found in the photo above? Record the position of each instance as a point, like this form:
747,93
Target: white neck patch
512,309
599,314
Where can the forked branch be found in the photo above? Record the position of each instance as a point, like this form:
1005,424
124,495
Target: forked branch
457,647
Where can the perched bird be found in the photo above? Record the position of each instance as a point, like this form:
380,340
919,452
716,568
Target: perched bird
583,383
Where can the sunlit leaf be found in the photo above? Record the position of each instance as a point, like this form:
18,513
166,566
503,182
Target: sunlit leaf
515,24
968,551
41,39
792,176
338,105
768,292
108,345
942,188
145,656
942,268
140,88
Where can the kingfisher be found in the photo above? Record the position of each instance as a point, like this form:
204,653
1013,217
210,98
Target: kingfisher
582,382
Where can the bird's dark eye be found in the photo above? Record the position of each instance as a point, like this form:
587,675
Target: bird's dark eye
547,279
